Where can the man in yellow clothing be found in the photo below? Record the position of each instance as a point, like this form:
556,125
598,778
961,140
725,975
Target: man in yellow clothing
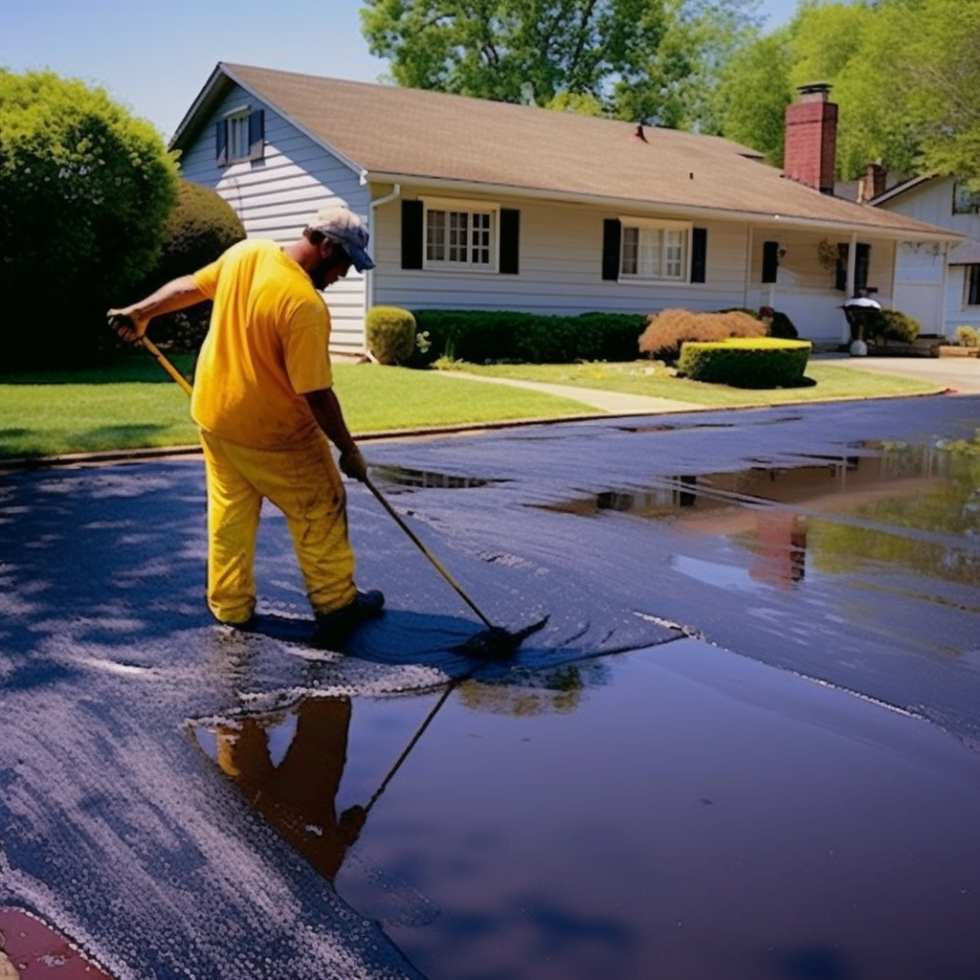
264,402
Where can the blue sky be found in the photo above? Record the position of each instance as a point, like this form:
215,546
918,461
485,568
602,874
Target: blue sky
154,56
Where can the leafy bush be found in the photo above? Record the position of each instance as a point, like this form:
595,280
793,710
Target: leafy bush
390,334
85,190
778,324
892,325
485,336
968,336
764,362
200,227
668,330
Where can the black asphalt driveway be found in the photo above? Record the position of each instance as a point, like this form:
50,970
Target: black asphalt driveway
838,544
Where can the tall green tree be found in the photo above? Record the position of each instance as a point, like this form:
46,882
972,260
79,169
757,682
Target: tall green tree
944,90
649,60
85,191
754,90
905,73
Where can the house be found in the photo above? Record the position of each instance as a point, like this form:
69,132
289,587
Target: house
933,281
478,204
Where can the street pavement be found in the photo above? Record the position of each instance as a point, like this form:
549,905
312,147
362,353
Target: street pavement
820,563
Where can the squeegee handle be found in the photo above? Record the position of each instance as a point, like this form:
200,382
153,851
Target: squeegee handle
425,551
166,365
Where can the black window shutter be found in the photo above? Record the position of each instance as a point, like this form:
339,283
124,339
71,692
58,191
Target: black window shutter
841,276
256,135
412,215
973,286
862,262
699,254
612,235
510,241
770,261
221,142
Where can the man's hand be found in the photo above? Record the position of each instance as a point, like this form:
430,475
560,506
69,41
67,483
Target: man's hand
128,326
353,464
351,822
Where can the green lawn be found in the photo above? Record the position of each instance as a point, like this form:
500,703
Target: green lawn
135,404
44,414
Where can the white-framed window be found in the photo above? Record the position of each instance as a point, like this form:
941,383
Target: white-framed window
240,135
656,250
460,234
965,201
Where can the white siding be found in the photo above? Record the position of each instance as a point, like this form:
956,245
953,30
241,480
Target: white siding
276,195
560,268
942,285
958,314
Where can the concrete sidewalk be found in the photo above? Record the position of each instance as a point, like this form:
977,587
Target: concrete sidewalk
614,402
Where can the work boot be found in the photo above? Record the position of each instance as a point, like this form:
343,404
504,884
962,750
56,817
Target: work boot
331,627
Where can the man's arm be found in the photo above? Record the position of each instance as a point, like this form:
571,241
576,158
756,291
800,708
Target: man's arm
326,410
130,322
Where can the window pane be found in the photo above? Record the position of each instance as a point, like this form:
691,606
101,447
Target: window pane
630,239
480,254
237,137
673,254
458,222
435,237
650,253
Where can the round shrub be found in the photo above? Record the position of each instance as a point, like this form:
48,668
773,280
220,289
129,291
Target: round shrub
390,334
200,227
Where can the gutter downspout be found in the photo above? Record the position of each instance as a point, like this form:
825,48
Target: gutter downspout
396,193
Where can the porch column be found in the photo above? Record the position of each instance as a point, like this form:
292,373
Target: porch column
849,284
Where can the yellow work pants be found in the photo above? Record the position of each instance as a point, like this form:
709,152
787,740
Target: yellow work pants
304,483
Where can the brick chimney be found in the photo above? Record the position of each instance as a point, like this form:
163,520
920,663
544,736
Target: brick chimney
872,183
811,138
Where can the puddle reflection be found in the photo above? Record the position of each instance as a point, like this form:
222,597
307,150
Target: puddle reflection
288,765
911,506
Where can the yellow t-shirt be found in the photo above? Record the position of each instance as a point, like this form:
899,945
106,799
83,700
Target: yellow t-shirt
266,347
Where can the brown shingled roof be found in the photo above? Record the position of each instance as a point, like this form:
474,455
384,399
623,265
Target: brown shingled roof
393,133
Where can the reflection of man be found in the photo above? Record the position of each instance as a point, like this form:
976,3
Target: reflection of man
298,797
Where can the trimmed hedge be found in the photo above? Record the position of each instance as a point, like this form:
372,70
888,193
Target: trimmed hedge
485,336
764,362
